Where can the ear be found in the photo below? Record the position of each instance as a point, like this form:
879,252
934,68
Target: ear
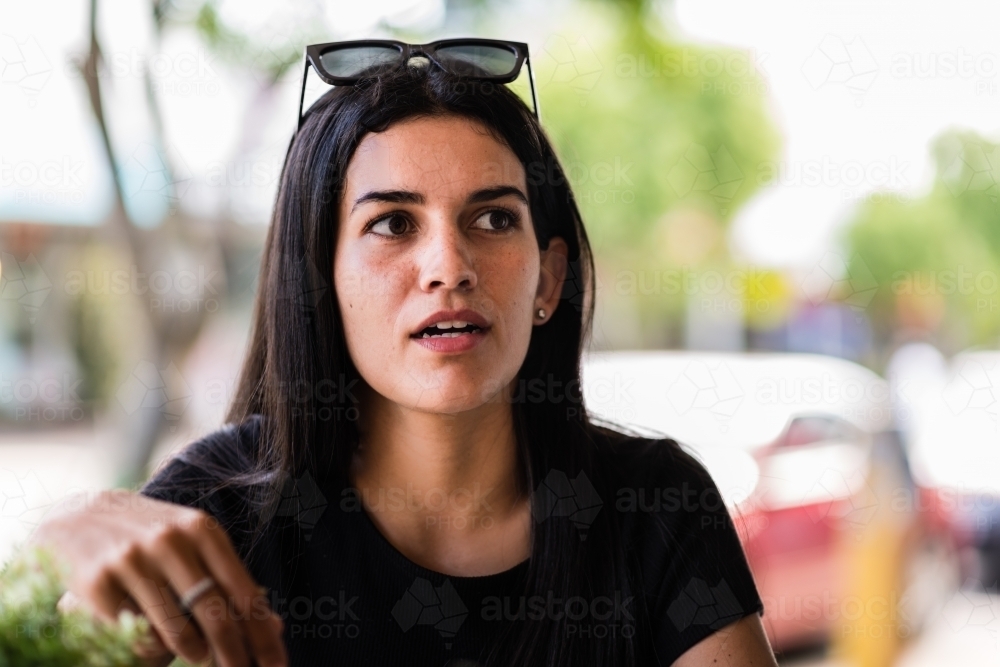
551,275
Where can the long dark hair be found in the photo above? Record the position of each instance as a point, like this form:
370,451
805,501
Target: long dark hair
297,346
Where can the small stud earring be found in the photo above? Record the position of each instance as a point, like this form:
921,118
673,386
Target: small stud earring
541,313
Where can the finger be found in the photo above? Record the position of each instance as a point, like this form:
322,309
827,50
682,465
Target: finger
221,627
213,612
150,589
69,602
150,648
262,626
106,599
158,661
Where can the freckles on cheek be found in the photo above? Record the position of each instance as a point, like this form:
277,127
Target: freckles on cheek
376,299
513,284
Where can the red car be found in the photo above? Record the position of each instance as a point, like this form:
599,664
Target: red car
803,451
826,489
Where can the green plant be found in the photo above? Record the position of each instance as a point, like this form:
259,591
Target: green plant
34,633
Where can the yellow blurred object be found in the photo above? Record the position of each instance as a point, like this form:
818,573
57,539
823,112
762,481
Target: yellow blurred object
869,631
768,298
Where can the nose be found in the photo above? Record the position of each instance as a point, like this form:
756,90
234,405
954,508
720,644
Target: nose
447,260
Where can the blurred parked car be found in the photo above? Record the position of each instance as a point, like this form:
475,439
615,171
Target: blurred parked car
956,453
805,454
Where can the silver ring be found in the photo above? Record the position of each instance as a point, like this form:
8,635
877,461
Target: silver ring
194,593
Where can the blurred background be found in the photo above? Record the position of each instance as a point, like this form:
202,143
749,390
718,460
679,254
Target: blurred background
794,209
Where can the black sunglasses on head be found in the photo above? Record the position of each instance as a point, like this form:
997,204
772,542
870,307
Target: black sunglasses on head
346,63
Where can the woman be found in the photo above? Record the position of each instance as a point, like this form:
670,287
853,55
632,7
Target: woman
408,468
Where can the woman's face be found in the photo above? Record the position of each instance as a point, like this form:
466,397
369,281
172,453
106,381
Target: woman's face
434,220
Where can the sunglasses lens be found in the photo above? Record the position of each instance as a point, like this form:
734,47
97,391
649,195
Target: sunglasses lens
477,60
354,60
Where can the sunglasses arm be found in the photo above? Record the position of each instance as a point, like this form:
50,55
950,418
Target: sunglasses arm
302,93
531,80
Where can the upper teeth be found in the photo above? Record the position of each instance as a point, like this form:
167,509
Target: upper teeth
454,324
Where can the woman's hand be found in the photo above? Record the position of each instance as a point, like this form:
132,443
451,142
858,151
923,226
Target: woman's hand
127,551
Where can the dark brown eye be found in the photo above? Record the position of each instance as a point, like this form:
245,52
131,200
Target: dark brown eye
391,225
496,220
397,225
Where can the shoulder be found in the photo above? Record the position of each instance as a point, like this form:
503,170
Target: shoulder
646,462
215,473
666,501
694,574
233,447
664,496
231,450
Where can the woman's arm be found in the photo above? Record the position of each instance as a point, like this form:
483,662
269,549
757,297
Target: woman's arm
127,551
739,644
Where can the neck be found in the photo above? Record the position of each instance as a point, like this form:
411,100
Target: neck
462,465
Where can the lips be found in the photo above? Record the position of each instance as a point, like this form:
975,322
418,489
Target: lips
444,323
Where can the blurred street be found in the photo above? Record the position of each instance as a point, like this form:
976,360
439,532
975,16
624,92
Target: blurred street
966,632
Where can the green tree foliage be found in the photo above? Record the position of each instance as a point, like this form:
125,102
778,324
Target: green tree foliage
663,140
936,258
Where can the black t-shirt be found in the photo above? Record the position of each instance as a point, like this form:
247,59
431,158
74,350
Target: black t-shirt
348,597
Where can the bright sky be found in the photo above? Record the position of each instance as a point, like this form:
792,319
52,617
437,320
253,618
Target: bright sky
858,89
52,165
868,83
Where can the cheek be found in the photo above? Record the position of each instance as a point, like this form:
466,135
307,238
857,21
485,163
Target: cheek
369,294
515,281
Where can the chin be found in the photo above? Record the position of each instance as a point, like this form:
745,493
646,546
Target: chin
453,397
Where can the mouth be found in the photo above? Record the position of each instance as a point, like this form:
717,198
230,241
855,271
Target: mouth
448,329
452,330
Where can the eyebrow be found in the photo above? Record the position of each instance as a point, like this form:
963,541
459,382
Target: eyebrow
389,196
408,197
489,194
